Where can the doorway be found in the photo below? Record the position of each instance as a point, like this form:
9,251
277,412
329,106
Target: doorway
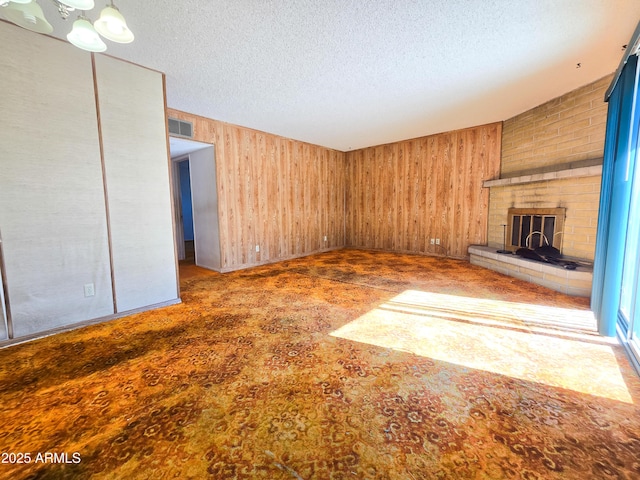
195,202
186,212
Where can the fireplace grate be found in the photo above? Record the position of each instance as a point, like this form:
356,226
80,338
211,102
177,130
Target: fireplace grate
535,227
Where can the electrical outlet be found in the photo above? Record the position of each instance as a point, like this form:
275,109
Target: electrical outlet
437,241
89,290
257,248
433,241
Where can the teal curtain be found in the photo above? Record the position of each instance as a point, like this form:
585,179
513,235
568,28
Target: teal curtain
615,196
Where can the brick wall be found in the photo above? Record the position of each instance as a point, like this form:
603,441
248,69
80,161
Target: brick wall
566,129
579,196
563,133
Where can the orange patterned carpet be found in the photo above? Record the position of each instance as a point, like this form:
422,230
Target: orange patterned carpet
343,365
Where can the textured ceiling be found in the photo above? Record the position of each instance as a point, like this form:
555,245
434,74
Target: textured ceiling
353,73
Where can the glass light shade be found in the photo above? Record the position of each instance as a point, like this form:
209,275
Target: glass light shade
112,26
27,15
79,4
2,2
84,36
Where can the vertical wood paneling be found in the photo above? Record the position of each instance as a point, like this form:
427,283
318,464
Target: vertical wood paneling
280,194
286,239
338,226
447,192
456,179
324,197
348,172
272,186
413,198
286,195
432,184
434,187
297,199
353,196
401,216
421,166
389,205
377,197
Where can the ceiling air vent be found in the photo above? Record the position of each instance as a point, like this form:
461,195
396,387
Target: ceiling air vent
180,128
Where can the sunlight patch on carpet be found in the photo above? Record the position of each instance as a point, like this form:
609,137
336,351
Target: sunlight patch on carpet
541,344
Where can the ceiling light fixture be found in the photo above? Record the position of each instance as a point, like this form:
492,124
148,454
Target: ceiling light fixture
111,24
27,15
84,36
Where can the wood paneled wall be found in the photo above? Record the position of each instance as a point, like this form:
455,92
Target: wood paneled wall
401,195
280,194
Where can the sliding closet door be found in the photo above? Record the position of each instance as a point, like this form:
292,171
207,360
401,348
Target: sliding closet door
4,330
133,125
52,206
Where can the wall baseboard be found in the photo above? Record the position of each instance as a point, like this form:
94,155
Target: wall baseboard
85,323
274,260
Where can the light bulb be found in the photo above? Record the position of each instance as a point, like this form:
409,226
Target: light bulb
112,26
84,36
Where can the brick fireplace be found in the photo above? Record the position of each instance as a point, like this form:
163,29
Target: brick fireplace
551,161
550,225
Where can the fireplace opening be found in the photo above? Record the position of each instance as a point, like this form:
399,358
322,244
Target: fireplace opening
534,228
